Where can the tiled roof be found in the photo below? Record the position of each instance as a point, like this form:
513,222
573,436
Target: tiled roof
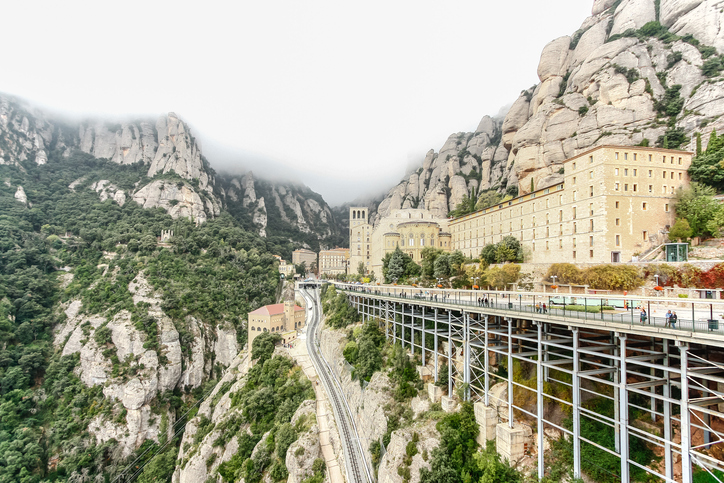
274,309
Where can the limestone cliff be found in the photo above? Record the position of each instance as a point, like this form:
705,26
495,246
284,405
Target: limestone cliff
282,209
116,355
613,81
181,181
220,429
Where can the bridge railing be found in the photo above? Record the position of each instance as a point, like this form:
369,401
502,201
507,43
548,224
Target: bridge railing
693,316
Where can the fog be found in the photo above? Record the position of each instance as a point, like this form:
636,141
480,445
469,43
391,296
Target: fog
344,97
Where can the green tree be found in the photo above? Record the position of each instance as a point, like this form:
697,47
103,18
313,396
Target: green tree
369,358
301,269
396,266
502,277
698,144
488,254
262,347
361,268
443,266
488,199
696,204
680,231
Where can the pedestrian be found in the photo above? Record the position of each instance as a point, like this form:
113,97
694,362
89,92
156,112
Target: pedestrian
673,319
643,315
545,309
537,308
668,318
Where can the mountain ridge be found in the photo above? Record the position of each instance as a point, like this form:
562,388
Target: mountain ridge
635,72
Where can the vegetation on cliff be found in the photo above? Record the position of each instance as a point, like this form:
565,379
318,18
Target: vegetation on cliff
215,272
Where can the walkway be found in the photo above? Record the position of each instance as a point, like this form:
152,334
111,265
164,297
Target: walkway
325,419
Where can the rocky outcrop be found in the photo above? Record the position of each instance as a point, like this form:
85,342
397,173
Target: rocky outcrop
24,134
594,89
200,456
166,147
123,143
292,207
106,190
429,439
177,198
178,152
367,405
302,454
139,373
193,456
21,196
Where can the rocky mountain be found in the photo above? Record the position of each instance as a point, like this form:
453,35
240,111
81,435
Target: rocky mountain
636,72
176,175
285,210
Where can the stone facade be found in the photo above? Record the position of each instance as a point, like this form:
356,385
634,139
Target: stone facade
615,203
411,230
333,262
286,269
303,255
284,319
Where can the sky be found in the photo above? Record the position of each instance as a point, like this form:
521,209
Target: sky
345,97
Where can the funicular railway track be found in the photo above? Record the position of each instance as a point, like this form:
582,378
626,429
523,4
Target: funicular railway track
354,456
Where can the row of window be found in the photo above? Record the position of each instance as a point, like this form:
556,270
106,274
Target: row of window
469,234
635,188
651,158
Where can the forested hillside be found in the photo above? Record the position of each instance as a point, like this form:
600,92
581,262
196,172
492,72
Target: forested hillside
106,337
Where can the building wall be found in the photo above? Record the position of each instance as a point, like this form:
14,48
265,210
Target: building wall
287,269
290,320
258,324
306,256
359,239
333,262
370,245
613,200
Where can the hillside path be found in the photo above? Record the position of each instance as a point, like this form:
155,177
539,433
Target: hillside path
324,417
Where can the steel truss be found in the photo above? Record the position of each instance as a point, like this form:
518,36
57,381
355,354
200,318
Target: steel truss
679,384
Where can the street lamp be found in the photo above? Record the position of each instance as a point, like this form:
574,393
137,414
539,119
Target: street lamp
658,287
554,286
475,283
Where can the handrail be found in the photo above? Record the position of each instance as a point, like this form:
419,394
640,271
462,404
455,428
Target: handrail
692,321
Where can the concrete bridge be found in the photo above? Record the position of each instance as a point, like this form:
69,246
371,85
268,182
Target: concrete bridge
563,357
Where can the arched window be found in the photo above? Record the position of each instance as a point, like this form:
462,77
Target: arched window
354,215
363,214
265,329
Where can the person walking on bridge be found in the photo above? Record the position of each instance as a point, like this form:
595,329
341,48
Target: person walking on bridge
643,315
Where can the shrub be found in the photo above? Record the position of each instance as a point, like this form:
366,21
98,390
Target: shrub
712,67
613,277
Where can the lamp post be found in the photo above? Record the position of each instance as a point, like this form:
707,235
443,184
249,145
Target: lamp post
553,285
657,285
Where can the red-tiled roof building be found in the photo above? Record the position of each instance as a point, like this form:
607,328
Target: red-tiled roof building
284,319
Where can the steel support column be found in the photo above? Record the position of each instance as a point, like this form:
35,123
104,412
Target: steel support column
510,373
539,396
686,476
623,413
486,358
423,336
668,459
466,358
449,355
435,340
576,406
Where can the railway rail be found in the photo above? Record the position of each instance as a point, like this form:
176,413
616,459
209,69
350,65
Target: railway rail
357,469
